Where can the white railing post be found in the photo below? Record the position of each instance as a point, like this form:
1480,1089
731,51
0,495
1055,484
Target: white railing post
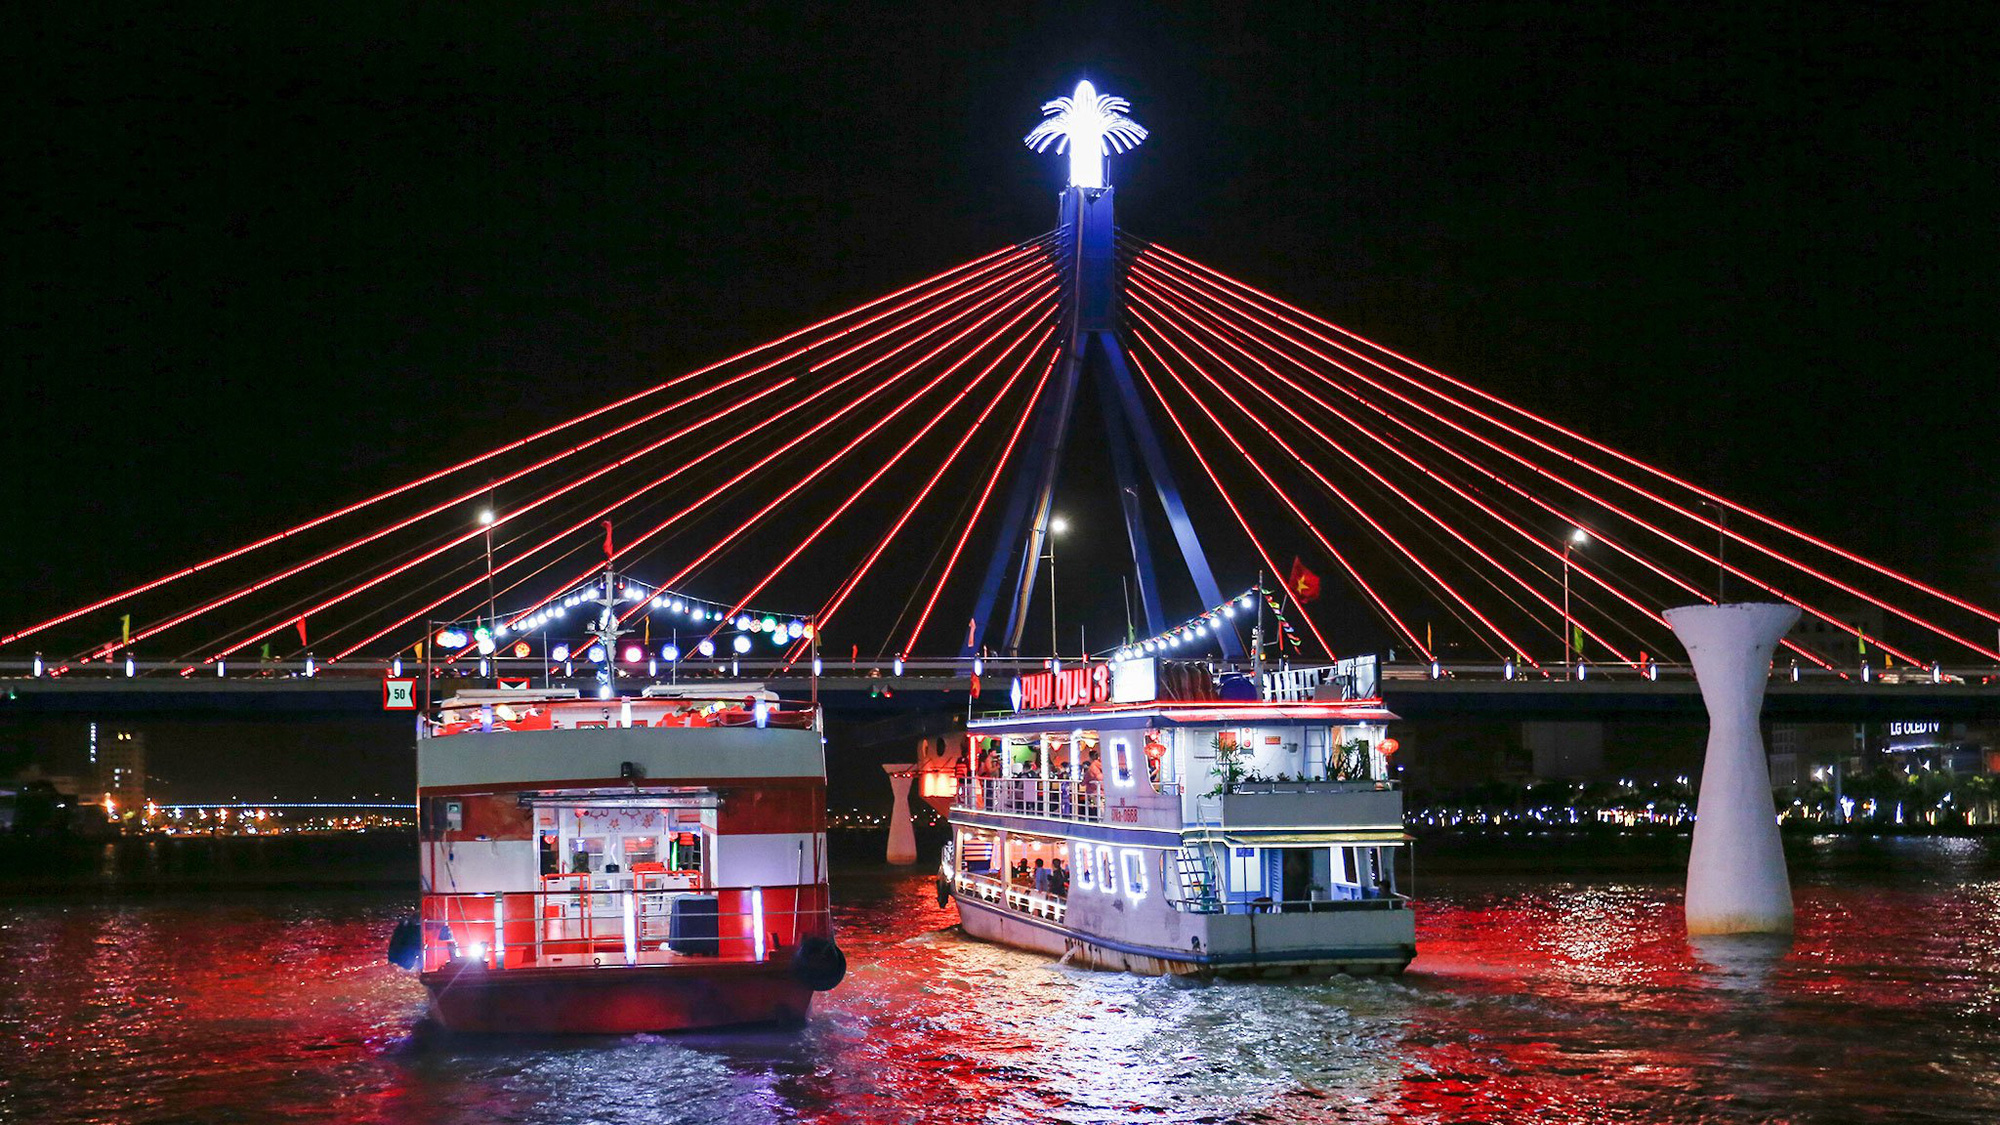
631,929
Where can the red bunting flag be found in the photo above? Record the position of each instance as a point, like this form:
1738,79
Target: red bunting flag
1303,583
302,632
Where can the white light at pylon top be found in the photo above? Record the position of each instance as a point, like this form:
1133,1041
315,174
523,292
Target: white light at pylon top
1089,126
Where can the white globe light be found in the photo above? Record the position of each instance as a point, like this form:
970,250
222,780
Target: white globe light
670,653
743,621
706,647
597,654
559,653
742,643
633,654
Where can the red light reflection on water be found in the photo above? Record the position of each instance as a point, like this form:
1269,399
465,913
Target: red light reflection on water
1532,999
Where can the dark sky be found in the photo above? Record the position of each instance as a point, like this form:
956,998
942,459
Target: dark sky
260,264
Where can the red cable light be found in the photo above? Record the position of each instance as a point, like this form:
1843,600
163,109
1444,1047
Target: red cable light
1602,536
829,462
993,479
1683,544
1358,463
1227,499
937,418
489,455
848,408
1711,497
1336,490
1297,513
476,532
1662,501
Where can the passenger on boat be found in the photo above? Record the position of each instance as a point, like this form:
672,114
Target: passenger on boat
1041,877
1058,878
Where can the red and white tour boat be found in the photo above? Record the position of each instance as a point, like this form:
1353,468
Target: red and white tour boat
621,864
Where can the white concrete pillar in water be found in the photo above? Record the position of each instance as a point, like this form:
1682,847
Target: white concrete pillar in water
902,832
1736,873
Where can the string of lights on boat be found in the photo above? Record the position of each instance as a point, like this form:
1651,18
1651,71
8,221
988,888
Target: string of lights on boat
1203,628
861,465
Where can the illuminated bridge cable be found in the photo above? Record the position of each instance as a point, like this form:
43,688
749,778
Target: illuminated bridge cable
1389,615
832,606
993,478
937,417
1507,642
822,391
1711,497
1677,509
1041,311
1251,460
1356,461
456,501
1029,260
500,519
1677,541
1597,532
366,502
850,406
827,388
1215,479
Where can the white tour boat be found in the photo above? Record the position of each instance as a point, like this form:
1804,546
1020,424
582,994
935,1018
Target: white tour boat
1159,817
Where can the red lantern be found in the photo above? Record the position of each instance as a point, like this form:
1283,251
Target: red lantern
1389,746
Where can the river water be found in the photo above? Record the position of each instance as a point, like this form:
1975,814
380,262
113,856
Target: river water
1556,991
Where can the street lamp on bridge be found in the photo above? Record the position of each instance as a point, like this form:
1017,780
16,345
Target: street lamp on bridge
1057,525
1575,540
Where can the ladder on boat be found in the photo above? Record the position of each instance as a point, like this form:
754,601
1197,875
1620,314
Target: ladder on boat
1197,881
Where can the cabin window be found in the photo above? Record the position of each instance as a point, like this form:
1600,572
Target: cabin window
1121,762
1080,862
1107,870
1135,874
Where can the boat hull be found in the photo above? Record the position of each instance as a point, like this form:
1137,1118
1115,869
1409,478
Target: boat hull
616,1001
1003,926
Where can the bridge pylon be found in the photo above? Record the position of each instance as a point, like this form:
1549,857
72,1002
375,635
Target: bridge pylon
1090,125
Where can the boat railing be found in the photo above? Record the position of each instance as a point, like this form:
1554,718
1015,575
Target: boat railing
618,928
1026,899
1059,798
1263,905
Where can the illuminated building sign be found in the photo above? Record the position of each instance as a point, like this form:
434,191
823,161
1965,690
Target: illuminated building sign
1080,686
1898,730
1086,685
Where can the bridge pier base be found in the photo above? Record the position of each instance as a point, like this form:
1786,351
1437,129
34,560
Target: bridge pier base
1736,882
902,831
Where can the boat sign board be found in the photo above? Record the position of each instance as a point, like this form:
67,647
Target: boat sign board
399,694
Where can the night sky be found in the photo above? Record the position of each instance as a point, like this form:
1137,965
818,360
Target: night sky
260,265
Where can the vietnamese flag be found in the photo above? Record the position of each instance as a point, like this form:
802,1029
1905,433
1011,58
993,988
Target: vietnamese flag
1303,583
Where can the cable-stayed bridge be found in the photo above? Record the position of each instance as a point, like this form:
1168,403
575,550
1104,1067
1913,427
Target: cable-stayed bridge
879,487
